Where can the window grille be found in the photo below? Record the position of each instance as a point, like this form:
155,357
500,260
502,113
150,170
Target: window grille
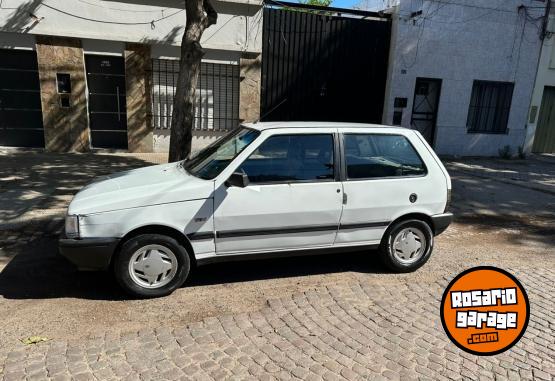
216,97
490,105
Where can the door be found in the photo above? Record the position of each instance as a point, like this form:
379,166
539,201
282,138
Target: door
382,171
107,102
20,105
293,199
544,140
425,106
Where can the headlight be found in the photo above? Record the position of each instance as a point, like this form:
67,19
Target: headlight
72,226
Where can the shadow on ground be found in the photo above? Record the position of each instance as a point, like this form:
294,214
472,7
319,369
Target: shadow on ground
38,272
527,215
31,179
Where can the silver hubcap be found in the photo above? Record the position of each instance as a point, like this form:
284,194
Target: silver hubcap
409,245
153,266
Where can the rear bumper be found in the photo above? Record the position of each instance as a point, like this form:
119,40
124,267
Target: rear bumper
88,253
441,222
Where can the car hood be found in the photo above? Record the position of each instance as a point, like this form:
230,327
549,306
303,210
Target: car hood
158,184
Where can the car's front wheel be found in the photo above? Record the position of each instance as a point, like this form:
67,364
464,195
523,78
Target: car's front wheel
407,245
151,265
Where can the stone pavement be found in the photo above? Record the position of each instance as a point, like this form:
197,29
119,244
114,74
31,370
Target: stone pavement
360,330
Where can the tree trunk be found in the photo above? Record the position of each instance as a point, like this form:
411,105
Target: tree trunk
200,15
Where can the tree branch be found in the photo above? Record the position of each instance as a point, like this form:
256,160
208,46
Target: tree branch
200,14
211,14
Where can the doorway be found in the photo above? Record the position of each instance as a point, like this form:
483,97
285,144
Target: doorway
20,105
107,101
425,107
544,139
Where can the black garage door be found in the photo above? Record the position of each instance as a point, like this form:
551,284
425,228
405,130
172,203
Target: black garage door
322,64
20,108
107,103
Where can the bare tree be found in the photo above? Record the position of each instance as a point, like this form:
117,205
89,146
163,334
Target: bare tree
200,15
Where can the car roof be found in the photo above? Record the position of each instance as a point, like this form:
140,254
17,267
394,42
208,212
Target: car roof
261,126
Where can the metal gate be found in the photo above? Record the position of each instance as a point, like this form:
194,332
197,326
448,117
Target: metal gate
425,106
216,97
20,105
320,65
107,102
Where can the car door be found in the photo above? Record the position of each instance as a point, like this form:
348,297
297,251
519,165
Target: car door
293,199
382,171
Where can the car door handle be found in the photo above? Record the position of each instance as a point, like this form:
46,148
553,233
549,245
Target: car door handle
344,198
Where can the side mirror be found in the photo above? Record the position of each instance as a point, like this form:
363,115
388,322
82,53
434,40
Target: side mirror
237,179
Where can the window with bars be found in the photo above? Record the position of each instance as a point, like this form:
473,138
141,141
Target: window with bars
216,98
490,105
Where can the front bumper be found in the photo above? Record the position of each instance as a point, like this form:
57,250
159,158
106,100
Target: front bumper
88,253
441,222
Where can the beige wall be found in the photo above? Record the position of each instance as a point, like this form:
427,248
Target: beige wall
137,83
249,88
65,129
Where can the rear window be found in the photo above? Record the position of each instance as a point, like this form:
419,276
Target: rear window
370,156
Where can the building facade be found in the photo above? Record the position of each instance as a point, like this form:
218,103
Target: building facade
540,133
90,74
462,72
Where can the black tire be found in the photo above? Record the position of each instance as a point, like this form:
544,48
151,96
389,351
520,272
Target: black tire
122,272
388,257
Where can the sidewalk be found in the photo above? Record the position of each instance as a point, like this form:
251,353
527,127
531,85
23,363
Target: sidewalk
36,188
536,172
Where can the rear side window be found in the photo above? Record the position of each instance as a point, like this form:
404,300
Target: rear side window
377,155
290,158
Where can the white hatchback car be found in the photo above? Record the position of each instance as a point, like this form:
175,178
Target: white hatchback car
263,190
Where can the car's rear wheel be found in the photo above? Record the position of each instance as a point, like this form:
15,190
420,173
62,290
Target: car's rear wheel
151,265
407,245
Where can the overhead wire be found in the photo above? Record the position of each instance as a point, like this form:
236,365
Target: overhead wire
151,23
121,9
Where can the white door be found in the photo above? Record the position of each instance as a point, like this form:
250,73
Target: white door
293,199
382,172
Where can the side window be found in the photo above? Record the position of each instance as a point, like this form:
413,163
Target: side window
377,155
285,158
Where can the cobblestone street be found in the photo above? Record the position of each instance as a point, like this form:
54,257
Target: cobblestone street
347,331
331,317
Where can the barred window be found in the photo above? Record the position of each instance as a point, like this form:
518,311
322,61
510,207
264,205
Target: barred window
490,105
216,97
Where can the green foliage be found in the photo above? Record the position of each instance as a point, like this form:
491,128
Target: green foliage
321,3
505,152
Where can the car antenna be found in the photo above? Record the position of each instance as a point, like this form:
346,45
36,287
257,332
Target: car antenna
269,112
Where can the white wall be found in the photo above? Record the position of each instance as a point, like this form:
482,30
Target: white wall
545,77
485,40
238,27
201,139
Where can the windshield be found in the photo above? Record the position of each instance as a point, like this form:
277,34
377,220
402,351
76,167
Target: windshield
212,160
